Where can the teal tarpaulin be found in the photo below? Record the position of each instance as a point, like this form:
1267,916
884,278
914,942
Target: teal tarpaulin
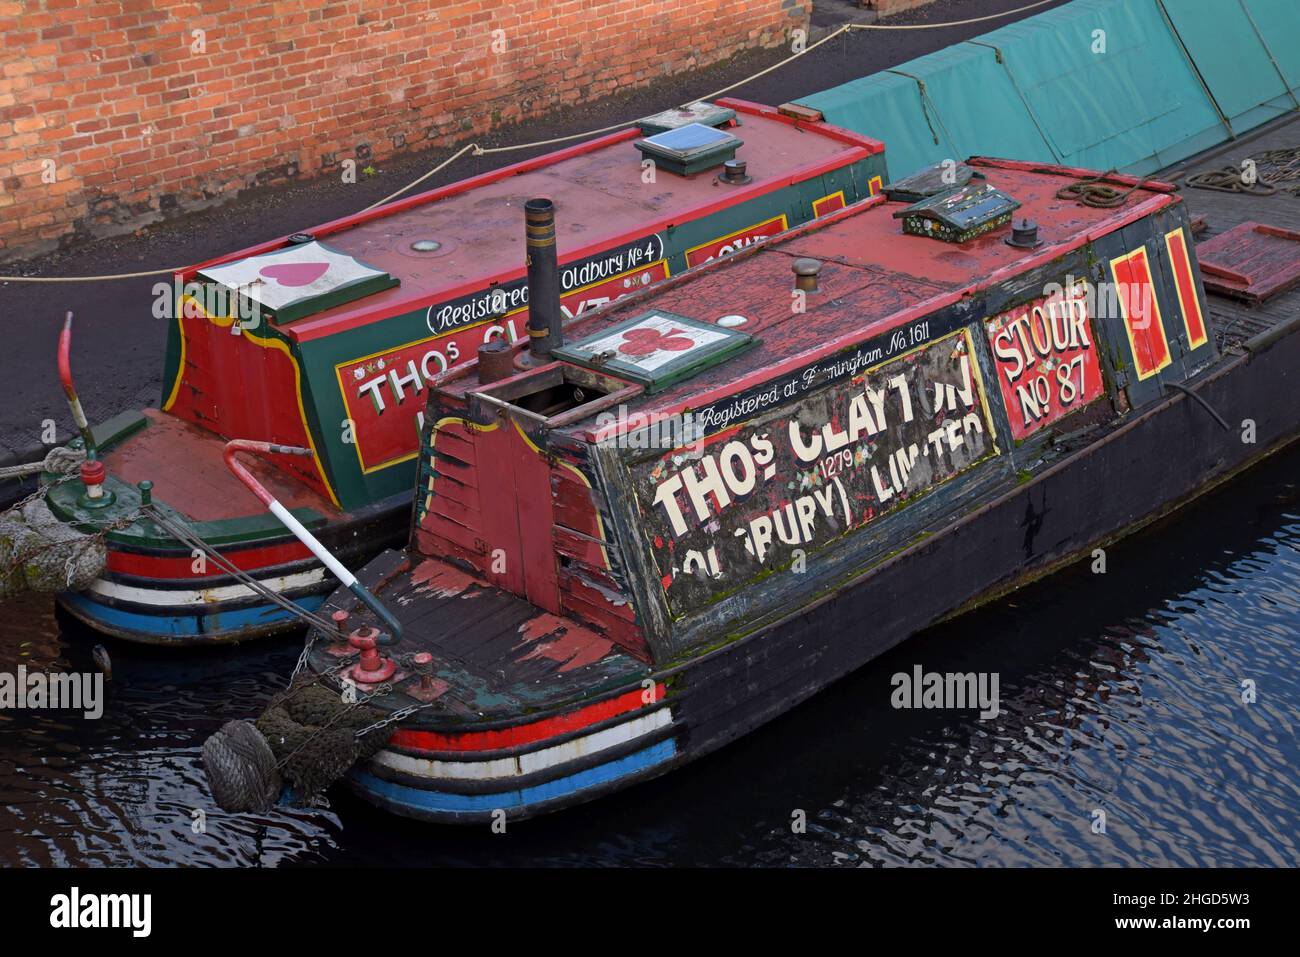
976,102
1235,57
891,107
1133,85
1111,85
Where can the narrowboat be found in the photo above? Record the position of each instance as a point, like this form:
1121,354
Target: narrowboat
327,339
672,520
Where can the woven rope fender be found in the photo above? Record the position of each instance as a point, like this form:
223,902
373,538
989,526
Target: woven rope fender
41,553
241,768
307,741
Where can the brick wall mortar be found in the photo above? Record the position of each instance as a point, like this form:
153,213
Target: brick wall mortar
113,117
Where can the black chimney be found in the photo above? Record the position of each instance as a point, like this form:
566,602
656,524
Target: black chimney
543,281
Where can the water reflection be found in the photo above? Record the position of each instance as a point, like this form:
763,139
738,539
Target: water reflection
1120,693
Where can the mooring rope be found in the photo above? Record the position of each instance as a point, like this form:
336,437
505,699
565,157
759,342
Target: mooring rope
1230,180
187,537
60,460
483,151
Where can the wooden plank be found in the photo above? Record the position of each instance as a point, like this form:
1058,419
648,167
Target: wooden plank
1251,261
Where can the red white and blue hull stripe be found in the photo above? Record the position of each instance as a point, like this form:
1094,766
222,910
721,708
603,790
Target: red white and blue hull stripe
524,769
183,612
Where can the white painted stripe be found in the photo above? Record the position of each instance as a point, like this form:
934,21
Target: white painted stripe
308,539
202,596
533,760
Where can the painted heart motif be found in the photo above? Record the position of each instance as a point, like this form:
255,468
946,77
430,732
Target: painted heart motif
643,342
294,274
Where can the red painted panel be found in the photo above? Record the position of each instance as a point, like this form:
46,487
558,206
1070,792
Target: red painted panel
828,204
179,567
1045,356
1188,300
242,385
1138,301
523,733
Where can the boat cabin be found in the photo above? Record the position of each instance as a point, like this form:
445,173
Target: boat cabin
327,339
706,457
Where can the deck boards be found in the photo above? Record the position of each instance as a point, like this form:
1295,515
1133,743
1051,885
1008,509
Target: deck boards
1235,321
498,653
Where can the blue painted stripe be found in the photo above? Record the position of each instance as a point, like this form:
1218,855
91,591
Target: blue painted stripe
182,626
418,799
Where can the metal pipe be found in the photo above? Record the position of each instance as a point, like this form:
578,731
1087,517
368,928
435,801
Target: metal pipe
1179,387
544,315
336,568
65,376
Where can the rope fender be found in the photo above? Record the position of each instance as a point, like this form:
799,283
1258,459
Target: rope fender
305,742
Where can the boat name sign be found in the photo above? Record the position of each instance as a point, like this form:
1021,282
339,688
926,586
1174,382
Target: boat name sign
1045,354
755,498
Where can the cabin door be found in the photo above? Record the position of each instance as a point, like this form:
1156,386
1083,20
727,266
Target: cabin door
515,489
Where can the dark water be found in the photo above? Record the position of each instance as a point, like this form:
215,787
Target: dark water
1120,692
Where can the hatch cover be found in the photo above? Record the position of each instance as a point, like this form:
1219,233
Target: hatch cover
298,280
708,114
656,349
690,148
1251,261
939,178
959,215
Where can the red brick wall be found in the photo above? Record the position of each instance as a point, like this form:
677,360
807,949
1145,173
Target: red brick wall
110,118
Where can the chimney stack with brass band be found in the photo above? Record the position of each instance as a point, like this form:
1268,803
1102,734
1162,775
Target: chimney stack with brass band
543,281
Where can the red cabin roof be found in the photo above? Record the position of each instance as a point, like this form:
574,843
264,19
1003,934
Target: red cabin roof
873,278
599,195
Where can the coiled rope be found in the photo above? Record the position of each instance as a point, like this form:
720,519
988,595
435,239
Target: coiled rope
1094,192
1230,180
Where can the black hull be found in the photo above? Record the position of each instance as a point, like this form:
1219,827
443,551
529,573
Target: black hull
1091,498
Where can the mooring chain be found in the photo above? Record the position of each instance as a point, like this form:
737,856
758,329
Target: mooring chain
1280,166
18,505
398,715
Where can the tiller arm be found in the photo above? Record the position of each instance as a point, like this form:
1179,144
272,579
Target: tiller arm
336,568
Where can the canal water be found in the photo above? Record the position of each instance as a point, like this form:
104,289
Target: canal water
1121,695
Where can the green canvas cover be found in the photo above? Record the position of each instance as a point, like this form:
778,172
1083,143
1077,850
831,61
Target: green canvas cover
1133,85
1235,58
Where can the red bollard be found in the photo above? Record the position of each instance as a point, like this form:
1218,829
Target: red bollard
373,666
340,619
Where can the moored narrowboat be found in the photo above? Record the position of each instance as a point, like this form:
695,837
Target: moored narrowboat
326,340
715,497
